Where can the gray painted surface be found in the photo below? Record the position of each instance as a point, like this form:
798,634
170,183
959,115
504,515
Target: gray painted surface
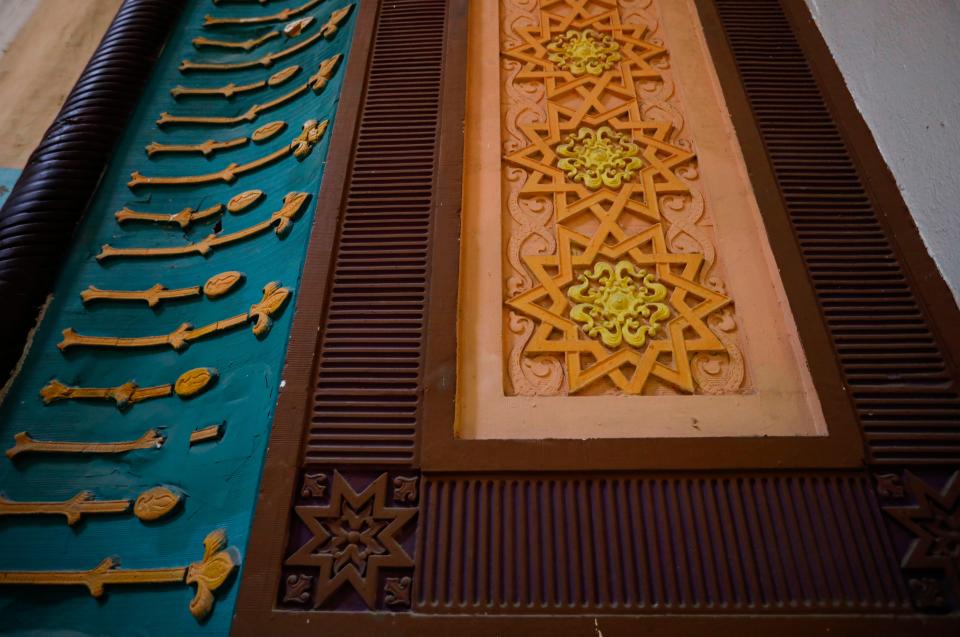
901,60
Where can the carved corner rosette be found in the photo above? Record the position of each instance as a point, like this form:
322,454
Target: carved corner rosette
352,538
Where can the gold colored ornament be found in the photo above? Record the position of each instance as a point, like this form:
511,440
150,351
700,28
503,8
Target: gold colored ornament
217,285
189,383
227,91
25,444
327,30
220,284
282,76
295,28
584,51
599,157
231,89
183,218
331,25
123,395
268,131
261,312
618,303
244,200
152,295
73,509
325,72
292,204
207,148
194,381
300,147
208,574
155,503
206,434
308,137
286,14
630,369
246,45
317,81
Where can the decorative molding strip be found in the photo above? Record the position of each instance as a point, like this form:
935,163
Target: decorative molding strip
367,387
529,544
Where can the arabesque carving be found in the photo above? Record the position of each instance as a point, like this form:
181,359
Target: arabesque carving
611,284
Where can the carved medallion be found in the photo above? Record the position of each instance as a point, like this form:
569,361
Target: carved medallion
595,157
618,303
584,51
353,537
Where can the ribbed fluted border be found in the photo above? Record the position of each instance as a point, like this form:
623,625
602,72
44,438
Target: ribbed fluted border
62,174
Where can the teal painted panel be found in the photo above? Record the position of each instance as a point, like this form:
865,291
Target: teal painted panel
8,177
219,479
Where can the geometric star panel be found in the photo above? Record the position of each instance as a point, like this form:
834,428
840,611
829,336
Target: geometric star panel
611,277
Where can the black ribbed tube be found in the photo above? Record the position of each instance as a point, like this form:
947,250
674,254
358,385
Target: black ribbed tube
60,178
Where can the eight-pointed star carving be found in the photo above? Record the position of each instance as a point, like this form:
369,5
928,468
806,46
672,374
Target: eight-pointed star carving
354,536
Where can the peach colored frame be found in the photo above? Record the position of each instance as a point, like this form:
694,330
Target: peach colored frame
783,401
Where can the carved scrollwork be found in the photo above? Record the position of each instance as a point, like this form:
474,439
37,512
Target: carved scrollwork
595,147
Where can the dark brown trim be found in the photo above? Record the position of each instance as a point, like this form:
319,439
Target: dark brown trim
261,571
672,625
58,183
440,359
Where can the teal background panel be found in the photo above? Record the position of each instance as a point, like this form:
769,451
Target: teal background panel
220,480
8,177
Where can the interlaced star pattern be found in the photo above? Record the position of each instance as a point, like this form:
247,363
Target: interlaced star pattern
605,168
588,359
353,537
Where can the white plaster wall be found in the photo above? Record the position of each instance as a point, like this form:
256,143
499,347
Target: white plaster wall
901,60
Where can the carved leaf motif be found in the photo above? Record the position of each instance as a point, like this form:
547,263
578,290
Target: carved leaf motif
314,485
405,489
209,574
397,591
283,75
155,503
245,199
298,588
295,28
273,299
267,131
220,284
194,381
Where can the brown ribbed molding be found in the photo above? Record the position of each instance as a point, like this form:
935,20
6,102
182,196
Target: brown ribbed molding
60,178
